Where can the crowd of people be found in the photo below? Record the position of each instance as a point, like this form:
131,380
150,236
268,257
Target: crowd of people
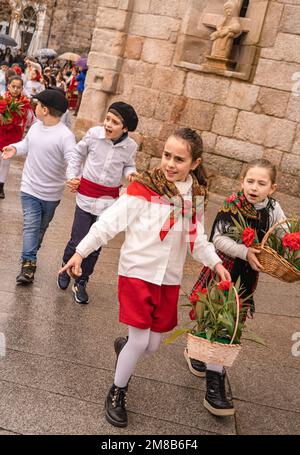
160,213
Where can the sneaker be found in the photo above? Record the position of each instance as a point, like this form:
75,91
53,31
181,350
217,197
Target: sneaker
63,280
26,276
196,367
80,294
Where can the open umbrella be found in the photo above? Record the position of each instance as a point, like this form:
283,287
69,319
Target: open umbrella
69,56
82,62
45,53
8,40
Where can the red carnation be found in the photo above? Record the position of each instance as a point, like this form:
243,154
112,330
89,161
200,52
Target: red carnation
3,106
292,241
224,285
248,236
203,291
231,198
194,297
193,315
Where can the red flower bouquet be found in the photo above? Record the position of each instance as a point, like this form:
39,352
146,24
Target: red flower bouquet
13,111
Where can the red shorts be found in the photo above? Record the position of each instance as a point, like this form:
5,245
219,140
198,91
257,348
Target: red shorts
146,305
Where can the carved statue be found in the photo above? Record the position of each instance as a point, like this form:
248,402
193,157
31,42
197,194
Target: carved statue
228,28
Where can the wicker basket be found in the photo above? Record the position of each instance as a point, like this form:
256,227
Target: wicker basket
274,264
214,352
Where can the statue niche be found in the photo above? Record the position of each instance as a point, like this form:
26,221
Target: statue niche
228,28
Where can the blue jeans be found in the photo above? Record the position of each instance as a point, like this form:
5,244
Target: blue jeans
37,215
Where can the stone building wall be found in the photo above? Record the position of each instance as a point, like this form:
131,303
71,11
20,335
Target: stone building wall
134,57
73,25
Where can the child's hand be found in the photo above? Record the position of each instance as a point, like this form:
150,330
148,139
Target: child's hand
252,259
222,272
73,184
8,152
72,267
130,177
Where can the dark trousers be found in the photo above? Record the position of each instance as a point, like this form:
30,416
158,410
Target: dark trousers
81,226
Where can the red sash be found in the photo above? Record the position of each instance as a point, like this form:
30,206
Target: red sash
92,189
139,190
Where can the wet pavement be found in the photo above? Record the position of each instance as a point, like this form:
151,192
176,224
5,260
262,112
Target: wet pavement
57,359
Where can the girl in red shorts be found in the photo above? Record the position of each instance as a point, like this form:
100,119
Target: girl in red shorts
162,214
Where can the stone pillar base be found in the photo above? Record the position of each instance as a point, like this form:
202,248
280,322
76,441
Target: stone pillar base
220,63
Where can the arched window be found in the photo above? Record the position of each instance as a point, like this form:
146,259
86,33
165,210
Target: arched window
27,26
5,16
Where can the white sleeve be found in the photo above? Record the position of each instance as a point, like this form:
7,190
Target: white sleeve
80,152
115,219
204,251
22,146
129,167
229,246
278,214
69,143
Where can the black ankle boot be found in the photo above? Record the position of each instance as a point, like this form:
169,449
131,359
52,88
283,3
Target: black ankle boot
2,194
115,406
215,400
26,276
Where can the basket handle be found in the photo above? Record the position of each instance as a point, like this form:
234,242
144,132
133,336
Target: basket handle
237,314
272,228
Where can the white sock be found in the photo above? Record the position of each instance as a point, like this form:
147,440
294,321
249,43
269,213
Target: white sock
214,367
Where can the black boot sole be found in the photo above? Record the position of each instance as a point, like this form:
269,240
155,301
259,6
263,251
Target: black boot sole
218,412
23,281
112,421
199,374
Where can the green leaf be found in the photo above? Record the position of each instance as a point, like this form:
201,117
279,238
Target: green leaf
174,335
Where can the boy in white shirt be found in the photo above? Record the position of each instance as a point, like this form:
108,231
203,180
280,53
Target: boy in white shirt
48,145
108,155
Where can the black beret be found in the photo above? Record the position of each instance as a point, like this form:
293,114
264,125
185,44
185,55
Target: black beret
53,98
127,114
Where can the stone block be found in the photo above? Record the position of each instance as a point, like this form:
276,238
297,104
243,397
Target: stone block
239,150
271,24
275,74
290,22
169,80
164,106
242,96
224,185
198,114
134,47
296,147
293,109
178,107
209,141
291,164
109,3
224,121
148,126
273,155
105,61
152,26
152,146
272,102
141,6
158,52
144,74
262,129
286,48
168,8
142,161
289,184
166,129
206,88
112,19
221,165
144,100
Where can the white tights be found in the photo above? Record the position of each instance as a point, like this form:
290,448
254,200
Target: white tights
139,342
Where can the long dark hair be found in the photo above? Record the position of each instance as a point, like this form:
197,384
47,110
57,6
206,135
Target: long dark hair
195,145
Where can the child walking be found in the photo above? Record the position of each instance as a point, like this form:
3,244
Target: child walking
260,211
48,145
108,154
159,216
14,131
